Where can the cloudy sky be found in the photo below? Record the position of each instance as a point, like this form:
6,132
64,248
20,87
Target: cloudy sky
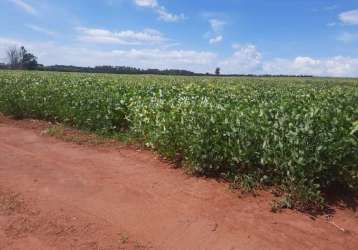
318,37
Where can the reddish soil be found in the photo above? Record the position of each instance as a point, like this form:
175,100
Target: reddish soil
61,195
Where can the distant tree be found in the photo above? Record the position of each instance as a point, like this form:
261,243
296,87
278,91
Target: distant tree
28,60
20,58
217,71
13,57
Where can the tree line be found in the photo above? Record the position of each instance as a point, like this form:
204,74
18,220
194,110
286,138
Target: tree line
20,58
116,70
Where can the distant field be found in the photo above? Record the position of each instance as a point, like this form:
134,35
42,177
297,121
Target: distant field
297,134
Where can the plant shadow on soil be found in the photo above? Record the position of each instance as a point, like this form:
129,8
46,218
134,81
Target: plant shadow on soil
335,198
341,199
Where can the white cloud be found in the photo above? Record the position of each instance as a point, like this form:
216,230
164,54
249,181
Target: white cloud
335,66
6,42
214,35
162,12
216,39
349,17
216,24
168,17
245,60
248,60
331,7
24,6
50,53
146,3
348,37
170,56
126,37
41,30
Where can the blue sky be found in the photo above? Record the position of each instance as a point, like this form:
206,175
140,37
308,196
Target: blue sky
317,37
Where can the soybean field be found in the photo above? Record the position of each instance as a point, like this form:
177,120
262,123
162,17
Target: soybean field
298,135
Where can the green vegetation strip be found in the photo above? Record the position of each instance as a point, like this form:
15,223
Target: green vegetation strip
297,134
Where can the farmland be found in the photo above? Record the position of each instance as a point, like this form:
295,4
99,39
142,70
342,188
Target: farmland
296,134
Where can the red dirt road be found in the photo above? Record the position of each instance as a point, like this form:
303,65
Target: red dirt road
60,195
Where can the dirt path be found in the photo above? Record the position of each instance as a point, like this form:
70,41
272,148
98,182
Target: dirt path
59,195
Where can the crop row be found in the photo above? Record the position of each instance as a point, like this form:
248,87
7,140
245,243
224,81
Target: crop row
296,134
